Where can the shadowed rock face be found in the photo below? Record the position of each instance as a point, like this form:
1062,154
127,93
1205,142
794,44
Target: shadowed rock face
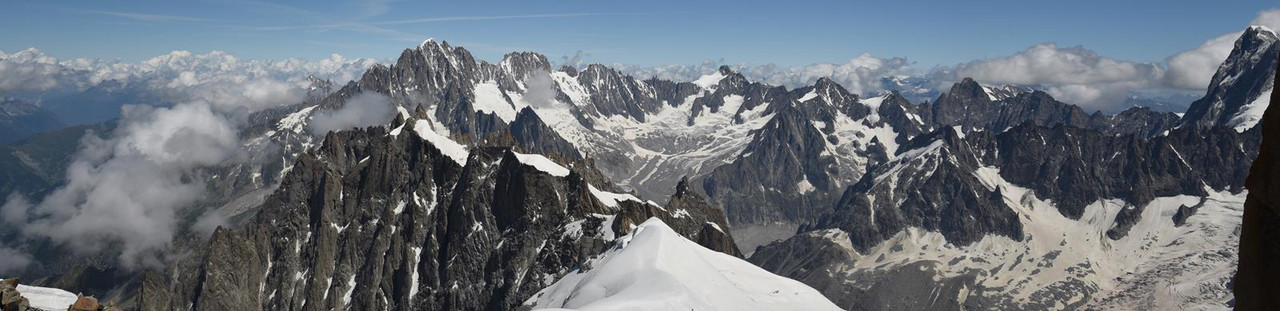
1248,70
372,220
796,144
1258,278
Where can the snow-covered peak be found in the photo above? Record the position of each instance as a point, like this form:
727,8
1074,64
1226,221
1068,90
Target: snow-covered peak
654,268
1240,90
1262,29
829,91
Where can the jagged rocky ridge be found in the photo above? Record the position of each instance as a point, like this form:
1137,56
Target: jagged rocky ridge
1063,214
647,134
385,219
1241,88
796,165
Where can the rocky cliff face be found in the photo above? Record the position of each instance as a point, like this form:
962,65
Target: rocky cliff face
1239,92
400,219
929,185
1255,282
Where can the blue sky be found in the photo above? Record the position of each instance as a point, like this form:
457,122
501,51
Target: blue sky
787,33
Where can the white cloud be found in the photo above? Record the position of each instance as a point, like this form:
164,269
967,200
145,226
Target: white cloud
29,71
1269,18
541,92
175,73
1193,69
123,192
1049,64
364,109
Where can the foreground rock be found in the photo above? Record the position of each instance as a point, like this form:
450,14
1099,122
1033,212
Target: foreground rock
1258,278
10,298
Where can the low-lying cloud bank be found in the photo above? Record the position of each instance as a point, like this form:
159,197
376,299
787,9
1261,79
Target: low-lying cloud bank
363,110
123,192
31,71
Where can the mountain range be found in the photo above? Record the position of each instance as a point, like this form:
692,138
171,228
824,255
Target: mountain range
515,186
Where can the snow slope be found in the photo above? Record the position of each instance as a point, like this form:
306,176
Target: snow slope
653,268
1251,113
447,146
1158,266
542,163
46,298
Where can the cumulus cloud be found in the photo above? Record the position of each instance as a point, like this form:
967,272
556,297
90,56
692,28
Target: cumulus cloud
123,193
29,71
1048,63
1071,74
1192,69
365,109
1269,18
251,94
541,92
